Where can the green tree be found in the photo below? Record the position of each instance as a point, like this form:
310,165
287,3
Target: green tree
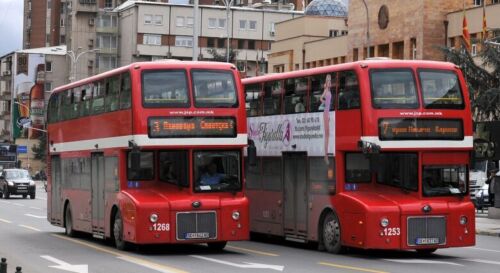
482,74
217,57
40,150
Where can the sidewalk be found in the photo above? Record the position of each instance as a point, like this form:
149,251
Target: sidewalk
487,226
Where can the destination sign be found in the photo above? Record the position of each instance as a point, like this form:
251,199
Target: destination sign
169,127
420,129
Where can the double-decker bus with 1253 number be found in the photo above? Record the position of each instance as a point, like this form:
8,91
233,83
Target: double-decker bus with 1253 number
371,154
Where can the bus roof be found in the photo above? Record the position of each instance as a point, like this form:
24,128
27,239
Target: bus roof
161,64
350,66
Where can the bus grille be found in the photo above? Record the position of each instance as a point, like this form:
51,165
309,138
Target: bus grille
426,231
196,225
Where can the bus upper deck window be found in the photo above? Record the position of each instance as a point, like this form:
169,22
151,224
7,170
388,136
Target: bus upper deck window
165,88
214,88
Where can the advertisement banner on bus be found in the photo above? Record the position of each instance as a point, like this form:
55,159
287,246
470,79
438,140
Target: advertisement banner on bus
297,132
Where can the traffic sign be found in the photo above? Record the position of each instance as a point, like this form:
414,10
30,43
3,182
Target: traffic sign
22,149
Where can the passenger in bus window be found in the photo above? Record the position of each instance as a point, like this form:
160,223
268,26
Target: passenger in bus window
211,176
299,106
168,173
326,98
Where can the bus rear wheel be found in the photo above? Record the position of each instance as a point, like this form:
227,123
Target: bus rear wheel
217,246
331,234
118,232
68,223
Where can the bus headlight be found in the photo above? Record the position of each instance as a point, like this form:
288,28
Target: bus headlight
384,222
463,220
236,215
153,217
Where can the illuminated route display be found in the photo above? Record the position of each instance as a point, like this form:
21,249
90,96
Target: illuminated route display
420,129
166,127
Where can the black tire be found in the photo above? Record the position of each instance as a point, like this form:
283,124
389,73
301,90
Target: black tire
217,246
6,193
331,234
68,223
32,196
426,251
25,196
120,244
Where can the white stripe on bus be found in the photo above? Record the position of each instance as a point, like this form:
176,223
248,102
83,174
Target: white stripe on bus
144,141
465,143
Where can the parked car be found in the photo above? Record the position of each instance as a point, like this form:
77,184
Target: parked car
482,198
16,182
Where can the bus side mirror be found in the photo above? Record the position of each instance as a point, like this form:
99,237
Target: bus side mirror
252,153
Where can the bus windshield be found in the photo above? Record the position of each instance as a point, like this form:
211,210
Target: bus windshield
165,88
214,88
444,180
393,88
217,171
441,89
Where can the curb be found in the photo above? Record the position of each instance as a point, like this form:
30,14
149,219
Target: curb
487,233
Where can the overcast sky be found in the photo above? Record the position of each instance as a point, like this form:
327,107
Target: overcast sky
11,25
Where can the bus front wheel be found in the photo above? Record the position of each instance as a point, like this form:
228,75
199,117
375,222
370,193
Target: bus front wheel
118,232
331,234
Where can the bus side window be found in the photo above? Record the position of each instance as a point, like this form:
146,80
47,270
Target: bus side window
112,93
322,176
126,91
271,173
295,95
254,175
75,109
98,98
348,97
66,105
53,109
253,95
317,90
86,100
272,98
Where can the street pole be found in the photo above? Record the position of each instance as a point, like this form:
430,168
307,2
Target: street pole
367,30
195,30
74,57
228,6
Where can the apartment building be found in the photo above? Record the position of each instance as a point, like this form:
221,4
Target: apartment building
163,30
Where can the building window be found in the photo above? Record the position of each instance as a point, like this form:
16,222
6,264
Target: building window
222,23
48,86
112,21
106,62
184,41
108,3
334,33
152,39
478,2
251,44
495,1
243,24
210,42
413,48
107,41
212,22
355,54
63,39
189,22
62,22
241,44
473,51
158,20
148,19
179,21
48,66
220,42
252,25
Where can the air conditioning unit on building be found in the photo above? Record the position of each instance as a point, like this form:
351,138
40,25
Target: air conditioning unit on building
91,21
271,33
7,73
90,64
91,42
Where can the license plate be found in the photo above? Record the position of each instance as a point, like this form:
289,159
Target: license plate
427,241
197,235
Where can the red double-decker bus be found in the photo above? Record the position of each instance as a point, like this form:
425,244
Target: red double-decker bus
150,153
371,154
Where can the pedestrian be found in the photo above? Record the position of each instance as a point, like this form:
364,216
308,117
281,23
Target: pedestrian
491,186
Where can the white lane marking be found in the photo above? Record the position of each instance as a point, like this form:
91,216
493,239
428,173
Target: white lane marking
62,265
5,221
35,208
482,261
28,227
146,264
42,198
36,216
420,261
485,249
245,265
6,202
17,204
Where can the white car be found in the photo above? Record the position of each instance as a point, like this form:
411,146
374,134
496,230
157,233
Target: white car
482,197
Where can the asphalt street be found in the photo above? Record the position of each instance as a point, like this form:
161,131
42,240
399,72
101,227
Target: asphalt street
29,241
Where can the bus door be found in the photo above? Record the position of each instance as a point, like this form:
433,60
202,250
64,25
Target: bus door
295,195
55,190
97,191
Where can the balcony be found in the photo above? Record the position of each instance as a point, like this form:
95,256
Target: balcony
100,29
85,6
6,96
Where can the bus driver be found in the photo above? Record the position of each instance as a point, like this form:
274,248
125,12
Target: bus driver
211,176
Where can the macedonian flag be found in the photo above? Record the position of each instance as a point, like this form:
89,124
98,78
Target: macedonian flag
465,33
